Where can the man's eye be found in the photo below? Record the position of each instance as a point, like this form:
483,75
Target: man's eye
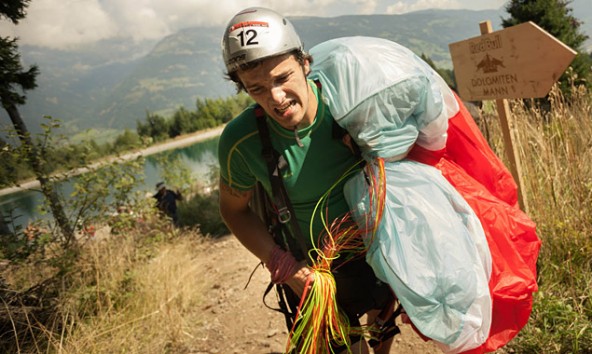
254,90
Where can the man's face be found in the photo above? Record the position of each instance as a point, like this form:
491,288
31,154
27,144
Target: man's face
279,85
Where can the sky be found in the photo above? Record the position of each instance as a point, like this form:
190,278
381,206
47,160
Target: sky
63,24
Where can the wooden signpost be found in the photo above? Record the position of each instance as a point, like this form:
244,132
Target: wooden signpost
523,61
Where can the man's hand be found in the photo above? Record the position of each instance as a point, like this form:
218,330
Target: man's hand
297,282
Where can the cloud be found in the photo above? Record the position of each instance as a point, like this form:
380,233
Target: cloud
66,23
63,24
364,7
401,7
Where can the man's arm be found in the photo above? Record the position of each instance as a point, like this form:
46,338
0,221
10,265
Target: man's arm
244,223
252,232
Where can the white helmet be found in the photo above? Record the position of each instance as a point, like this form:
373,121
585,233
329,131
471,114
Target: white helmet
256,33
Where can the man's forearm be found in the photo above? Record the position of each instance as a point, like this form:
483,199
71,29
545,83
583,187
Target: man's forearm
252,233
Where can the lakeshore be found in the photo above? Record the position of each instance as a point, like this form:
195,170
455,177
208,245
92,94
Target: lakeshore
181,141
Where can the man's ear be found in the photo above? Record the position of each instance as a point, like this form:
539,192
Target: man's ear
306,67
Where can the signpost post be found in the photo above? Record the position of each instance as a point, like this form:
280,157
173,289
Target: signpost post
522,61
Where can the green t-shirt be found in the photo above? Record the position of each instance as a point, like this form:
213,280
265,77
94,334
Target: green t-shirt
310,172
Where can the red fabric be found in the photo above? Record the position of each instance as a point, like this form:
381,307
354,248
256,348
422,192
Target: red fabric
479,175
468,148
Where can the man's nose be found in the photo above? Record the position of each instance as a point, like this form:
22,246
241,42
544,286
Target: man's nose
278,94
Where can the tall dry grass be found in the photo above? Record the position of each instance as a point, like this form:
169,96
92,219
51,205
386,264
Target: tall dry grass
136,292
133,301
555,148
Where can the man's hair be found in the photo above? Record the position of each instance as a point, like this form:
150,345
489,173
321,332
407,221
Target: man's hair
300,55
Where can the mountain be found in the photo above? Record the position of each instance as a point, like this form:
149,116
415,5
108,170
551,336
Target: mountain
180,68
113,84
72,84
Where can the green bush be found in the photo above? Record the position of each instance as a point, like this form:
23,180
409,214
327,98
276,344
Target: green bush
201,211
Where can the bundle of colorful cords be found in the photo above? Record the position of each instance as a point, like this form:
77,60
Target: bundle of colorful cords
320,323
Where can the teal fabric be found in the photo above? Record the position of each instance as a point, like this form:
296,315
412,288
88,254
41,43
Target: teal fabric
431,249
430,246
385,96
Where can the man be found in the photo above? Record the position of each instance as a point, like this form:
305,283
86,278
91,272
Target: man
166,201
264,56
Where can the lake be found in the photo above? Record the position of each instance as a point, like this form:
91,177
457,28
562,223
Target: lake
199,157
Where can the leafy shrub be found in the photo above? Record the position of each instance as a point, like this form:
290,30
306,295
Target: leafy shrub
201,211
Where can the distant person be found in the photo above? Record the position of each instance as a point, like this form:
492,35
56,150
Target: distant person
4,229
166,201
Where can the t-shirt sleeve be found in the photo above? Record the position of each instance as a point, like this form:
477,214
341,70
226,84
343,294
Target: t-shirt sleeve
234,166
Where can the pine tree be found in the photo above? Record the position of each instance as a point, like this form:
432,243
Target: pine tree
555,17
12,77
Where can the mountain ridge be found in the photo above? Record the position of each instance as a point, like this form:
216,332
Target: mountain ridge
114,84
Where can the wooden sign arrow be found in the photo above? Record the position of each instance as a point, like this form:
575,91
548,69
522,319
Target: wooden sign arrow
523,61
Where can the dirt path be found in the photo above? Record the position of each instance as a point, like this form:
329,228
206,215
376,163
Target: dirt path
234,319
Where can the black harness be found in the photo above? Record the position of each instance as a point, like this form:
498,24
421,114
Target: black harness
284,212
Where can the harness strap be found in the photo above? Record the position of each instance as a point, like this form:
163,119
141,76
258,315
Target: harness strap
285,298
284,208
387,329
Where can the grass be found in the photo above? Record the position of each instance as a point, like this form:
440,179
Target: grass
555,150
136,302
137,293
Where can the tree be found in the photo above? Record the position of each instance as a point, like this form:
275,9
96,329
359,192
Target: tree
126,141
12,77
447,75
156,126
181,124
555,17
